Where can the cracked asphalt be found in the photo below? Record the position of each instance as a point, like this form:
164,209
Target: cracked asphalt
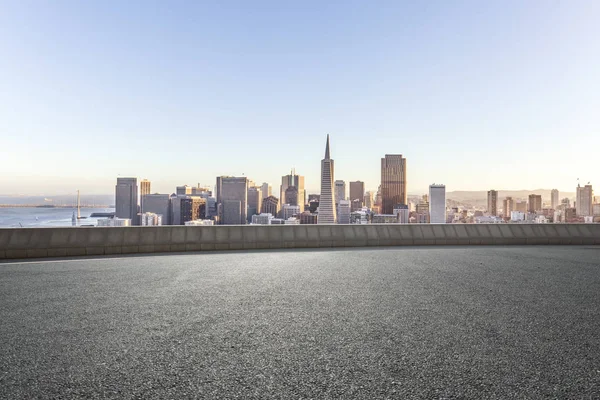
426,322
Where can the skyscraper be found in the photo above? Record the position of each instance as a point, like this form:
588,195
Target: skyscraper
144,189
270,205
437,204
265,188
584,200
393,182
369,201
554,199
234,189
535,203
340,191
296,181
508,207
357,192
343,216
327,214
254,201
126,199
158,204
492,202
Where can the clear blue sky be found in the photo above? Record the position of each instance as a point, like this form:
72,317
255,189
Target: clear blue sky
476,94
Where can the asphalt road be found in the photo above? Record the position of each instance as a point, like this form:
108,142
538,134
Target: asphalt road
436,323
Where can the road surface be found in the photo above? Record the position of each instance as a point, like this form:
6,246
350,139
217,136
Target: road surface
426,322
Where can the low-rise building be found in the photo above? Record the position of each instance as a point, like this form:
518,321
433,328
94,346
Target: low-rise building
114,222
151,219
200,222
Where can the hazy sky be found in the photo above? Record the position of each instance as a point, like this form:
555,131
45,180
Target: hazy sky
476,95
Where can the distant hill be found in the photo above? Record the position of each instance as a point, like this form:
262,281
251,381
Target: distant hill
58,200
478,196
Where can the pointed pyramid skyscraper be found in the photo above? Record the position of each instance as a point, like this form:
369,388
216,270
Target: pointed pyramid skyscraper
327,213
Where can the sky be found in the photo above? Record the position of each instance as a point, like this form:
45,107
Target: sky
476,95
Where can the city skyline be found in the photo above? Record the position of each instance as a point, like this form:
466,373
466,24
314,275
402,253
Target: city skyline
226,82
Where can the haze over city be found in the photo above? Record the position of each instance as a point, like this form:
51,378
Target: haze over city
476,95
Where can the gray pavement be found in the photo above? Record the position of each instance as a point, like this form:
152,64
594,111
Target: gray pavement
427,322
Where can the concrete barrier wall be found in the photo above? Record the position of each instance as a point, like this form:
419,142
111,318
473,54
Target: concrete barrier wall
61,242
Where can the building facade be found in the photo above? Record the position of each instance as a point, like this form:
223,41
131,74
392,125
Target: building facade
265,189
340,191
270,205
535,203
126,199
437,204
393,189
151,219
357,192
344,210
254,201
327,211
234,189
492,202
584,201
296,181
508,207
158,204
554,199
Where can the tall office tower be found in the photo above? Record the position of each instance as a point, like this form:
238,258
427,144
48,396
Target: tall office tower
265,189
565,203
492,202
521,206
185,208
357,192
270,205
158,204
183,190
218,188
393,182
291,196
422,210
344,211
192,208
327,212
508,207
554,199
369,201
144,189
126,199
535,203
583,202
254,201
340,191
234,189
437,204
293,180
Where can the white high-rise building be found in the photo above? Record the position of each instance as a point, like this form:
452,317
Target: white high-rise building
437,204
344,210
327,214
554,199
262,219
